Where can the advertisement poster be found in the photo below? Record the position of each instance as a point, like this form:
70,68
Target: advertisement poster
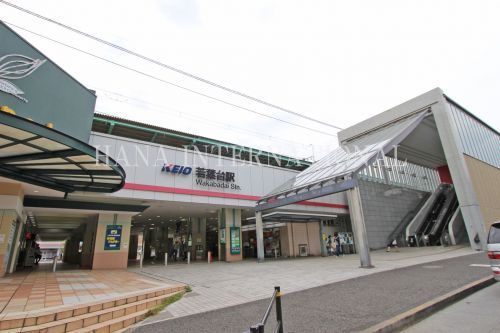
223,236
235,240
113,237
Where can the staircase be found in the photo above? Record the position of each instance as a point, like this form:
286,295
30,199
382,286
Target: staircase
108,315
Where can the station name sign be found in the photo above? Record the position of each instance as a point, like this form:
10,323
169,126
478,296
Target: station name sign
216,178
205,177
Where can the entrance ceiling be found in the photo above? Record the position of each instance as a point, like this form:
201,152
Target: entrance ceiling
54,225
422,146
39,155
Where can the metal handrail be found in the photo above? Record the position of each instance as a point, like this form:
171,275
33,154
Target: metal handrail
268,311
276,298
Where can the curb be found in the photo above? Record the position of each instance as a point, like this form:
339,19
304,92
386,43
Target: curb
420,312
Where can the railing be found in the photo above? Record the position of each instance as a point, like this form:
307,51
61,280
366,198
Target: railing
259,328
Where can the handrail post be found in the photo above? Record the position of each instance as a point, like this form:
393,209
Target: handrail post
279,314
254,329
261,328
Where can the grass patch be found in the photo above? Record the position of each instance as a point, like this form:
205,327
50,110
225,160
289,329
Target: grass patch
188,289
166,302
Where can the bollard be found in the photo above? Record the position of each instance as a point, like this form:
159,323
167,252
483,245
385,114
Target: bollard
54,264
166,259
142,258
275,253
209,256
279,314
189,257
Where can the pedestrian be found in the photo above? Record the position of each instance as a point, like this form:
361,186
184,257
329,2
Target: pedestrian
38,254
393,244
329,244
336,242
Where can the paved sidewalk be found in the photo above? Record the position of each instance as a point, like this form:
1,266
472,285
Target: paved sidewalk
37,290
222,285
480,312
346,306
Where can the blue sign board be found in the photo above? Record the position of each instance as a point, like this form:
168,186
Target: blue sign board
113,237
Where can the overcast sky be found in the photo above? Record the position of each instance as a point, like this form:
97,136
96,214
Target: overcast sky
338,61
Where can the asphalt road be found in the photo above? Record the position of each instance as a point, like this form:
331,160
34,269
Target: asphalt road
479,312
346,306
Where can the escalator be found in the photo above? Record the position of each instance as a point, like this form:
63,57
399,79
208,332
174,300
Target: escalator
430,224
437,232
399,231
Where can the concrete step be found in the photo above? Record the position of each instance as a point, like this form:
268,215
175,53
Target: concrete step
97,318
114,325
68,319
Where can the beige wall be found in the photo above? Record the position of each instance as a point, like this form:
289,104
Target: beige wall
111,259
313,238
295,234
285,242
6,219
11,197
486,182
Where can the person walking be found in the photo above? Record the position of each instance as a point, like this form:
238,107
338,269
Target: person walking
393,244
329,244
38,254
336,242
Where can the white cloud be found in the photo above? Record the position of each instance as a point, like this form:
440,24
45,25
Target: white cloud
340,61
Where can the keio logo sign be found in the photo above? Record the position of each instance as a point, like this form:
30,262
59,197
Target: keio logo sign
176,169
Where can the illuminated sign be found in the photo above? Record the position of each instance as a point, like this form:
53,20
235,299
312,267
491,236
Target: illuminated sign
15,67
113,237
235,240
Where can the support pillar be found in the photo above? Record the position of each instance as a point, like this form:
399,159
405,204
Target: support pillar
259,233
199,237
358,226
468,203
230,221
322,240
107,256
11,221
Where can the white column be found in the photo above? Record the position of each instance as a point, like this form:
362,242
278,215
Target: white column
469,206
321,240
358,226
259,232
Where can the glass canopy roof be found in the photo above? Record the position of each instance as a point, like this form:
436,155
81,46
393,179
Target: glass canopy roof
350,157
36,154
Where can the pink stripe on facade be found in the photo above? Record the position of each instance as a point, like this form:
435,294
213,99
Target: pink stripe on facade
176,190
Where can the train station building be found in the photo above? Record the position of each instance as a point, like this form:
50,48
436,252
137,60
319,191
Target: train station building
104,192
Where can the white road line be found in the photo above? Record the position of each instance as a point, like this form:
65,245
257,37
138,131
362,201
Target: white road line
479,265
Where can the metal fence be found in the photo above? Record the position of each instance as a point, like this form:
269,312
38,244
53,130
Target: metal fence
259,328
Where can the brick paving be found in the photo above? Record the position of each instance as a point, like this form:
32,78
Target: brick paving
37,290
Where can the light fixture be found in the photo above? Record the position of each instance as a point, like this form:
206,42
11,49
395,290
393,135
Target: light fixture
36,191
149,219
